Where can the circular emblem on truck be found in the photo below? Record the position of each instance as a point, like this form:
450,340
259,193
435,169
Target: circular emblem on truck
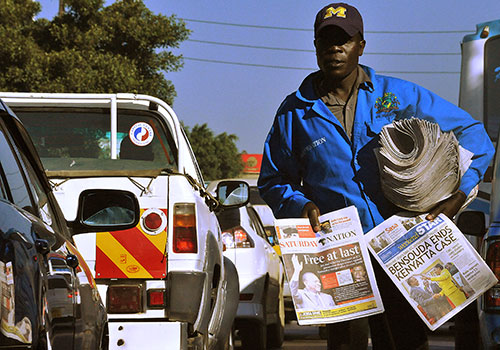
141,134
133,268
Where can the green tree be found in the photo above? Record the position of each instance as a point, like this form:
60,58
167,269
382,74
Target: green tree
89,48
217,155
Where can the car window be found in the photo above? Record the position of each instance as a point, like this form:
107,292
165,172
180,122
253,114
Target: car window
228,218
3,185
14,186
45,210
492,86
72,139
256,223
255,198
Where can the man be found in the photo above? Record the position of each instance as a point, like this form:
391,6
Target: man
448,287
318,156
443,305
427,300
310,297
359,273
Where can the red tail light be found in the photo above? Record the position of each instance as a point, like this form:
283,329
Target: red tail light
156,298
153,221
237,237
184,237
492,296
124,299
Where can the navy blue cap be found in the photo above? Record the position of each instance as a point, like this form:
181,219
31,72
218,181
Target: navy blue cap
341,15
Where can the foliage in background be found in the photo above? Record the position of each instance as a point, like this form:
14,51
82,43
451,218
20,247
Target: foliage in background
217,155
89,48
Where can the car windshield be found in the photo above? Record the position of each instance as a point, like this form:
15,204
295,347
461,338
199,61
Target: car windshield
71,141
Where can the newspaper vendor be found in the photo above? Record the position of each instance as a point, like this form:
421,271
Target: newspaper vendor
318,156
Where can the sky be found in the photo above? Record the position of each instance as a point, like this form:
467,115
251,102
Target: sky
244,57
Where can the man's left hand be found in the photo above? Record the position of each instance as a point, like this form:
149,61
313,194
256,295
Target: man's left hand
449,207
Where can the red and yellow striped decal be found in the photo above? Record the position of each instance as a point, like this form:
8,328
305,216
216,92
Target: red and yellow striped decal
131,254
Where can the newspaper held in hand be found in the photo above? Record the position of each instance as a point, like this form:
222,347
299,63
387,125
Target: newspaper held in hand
419,164
431,263
329,272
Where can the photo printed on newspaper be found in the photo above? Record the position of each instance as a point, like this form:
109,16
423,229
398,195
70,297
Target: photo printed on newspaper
432,263
330,274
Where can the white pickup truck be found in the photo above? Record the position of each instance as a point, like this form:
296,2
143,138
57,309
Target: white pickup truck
166,283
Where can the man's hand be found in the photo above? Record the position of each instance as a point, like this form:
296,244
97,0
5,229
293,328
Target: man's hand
311,211
297,267
449,207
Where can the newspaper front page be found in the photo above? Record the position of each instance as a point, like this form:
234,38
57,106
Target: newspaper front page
329,272
432,264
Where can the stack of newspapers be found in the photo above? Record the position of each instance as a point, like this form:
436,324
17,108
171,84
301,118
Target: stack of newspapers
419,164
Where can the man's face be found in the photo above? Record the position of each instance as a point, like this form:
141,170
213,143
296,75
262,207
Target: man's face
337,53
412,281
359,273
312,283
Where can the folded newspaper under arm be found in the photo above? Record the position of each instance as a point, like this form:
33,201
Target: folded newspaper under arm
431,263
329,272
419,164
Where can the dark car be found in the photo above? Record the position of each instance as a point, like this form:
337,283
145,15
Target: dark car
49,299
476,223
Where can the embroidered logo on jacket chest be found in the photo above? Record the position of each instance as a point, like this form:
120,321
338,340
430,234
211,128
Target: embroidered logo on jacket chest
388,102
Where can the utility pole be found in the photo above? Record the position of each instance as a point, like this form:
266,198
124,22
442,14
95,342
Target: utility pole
61,8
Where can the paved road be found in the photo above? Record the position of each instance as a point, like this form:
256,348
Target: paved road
307,338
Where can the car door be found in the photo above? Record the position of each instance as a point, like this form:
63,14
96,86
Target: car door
274,260
60,263
38,266
22,267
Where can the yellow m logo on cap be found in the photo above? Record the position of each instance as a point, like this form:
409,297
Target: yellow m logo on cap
332,11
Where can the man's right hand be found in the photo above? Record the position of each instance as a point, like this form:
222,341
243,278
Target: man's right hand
297,267
311,211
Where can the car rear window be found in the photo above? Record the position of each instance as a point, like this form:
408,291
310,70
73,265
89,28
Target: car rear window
72,140
255,198
229,218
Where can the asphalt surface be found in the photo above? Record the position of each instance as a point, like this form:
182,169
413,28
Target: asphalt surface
308,338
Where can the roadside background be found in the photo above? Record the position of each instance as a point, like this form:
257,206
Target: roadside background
244,57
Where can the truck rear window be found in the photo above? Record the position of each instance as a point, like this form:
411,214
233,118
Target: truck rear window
75,140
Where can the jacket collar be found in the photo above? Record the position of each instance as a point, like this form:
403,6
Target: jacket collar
306,90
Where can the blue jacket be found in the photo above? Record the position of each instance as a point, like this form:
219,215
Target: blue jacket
309,157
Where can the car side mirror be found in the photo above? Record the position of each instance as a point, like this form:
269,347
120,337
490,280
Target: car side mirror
105,210
472,222
233,194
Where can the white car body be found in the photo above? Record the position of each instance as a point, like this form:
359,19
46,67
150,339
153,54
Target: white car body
201,285
261,310
267,217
